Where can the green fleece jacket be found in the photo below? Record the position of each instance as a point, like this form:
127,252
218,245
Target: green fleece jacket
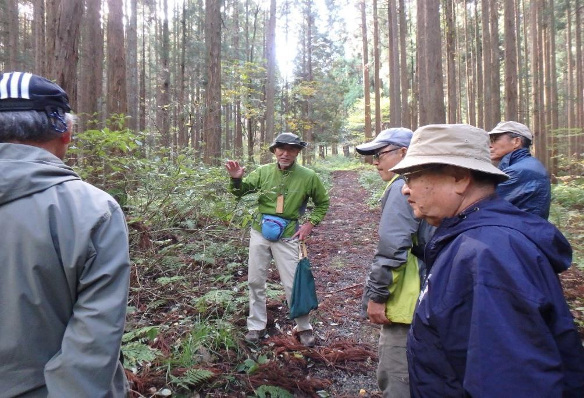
297,184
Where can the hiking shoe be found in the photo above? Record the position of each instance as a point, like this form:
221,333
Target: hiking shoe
253,336
306,338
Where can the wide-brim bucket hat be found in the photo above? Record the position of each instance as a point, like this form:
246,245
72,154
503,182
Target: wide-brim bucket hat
459,145
287,139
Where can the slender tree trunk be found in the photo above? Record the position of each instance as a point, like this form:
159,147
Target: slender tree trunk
511,107
431,82
163,97
91,71
377,66
116,76
65,17
470,68
39,37
451,65
13,32
133,85
406,119
366,82
495,63
395,99
487,67
212,120
271,80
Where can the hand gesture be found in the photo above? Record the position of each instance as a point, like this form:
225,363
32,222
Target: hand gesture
234,169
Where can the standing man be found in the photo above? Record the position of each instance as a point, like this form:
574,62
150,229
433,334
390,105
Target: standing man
491,320
284,190
528,186
63,256
393,285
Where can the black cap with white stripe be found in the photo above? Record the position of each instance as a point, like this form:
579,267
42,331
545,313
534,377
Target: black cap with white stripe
26,92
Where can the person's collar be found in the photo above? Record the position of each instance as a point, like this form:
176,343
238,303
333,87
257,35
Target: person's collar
292,167
513,157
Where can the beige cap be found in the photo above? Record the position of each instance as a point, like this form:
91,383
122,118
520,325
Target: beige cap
459,145
513,127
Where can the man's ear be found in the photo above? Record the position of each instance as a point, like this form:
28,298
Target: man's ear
65,137
462,179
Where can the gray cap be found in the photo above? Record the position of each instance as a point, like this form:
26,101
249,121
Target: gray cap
287,139
398,136
512,127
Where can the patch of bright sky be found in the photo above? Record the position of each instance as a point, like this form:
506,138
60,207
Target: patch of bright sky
287,39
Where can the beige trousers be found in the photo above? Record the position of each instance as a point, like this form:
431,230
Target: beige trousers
285,255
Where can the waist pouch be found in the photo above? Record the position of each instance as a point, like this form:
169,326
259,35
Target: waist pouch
273,227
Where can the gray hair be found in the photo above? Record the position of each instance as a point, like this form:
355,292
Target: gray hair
29,126
525,142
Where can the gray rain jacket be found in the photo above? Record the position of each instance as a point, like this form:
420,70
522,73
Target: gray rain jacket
64,262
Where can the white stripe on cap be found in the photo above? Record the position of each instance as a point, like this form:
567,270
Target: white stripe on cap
4,85
14,83
25,85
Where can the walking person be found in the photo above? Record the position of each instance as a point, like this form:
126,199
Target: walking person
64,256
284,190
393,283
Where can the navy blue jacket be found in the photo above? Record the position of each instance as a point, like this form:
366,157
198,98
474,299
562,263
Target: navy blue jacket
492,320
528,186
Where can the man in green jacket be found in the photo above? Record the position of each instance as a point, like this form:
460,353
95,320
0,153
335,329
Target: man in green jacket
284,190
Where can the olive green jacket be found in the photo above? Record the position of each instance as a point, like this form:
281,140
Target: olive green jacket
297,184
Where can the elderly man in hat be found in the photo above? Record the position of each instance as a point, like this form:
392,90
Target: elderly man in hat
491,319
284,189
393,283
64,256
528,186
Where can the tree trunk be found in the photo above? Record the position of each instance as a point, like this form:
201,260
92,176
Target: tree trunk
133,85
450,63
366,82
377,66
271,80
63,56
212,118
39,37
12,33
91,71
406,119
511,107
116,71
163,97
429,57
395,98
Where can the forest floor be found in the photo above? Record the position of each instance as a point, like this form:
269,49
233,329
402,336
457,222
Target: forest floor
343,362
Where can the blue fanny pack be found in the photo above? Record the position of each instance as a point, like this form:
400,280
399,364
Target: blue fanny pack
273,227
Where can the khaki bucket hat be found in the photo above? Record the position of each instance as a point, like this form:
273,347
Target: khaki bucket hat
459,145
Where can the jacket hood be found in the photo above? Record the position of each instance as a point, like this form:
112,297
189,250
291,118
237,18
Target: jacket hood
494,211
27,170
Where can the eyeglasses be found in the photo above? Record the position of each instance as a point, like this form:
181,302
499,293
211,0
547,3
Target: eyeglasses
408,176
377,155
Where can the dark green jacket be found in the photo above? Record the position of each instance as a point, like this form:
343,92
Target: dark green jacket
297,184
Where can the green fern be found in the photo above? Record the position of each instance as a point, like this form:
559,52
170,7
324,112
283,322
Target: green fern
265,391
192,377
